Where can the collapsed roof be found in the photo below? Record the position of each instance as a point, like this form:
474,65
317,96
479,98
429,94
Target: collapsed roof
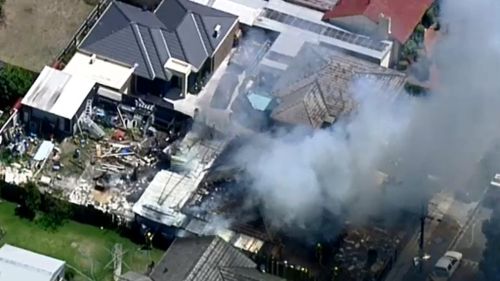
324,93
177,29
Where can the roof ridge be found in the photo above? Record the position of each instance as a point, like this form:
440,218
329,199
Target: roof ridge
204,27
114,2
306,96
180,45
296,101
142,48
199,32
156,47
308,75
163,1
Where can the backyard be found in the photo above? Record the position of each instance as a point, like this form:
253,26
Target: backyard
84,247
33,32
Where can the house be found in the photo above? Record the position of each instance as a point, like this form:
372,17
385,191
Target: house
323,94
158,54
20,264
205,259
55,102
382,19
296,25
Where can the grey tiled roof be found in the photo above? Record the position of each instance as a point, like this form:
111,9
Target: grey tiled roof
313,94
199,259
177,28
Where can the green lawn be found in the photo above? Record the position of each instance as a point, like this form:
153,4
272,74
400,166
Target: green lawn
82,246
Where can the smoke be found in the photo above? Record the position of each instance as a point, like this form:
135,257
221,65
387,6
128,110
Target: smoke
298,175
451,131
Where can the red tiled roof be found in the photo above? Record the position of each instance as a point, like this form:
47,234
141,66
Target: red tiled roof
405,14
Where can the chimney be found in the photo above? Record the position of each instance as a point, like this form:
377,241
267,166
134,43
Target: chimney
92,58
216,31
384,26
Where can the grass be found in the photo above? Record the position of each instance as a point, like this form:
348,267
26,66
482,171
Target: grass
34,31
84,247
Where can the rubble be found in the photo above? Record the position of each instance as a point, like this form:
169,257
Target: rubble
365,254
107,165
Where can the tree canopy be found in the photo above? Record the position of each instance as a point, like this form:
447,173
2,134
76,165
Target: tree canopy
14,83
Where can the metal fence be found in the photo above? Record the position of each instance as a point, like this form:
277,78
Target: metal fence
82,31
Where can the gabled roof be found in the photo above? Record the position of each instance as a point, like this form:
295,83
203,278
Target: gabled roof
199,259
176,29
323,94
405,15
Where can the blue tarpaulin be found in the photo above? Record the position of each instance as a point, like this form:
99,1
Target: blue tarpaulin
43,151
259,102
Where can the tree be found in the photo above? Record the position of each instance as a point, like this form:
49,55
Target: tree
31,201
55,211
491,254
14,83
2,12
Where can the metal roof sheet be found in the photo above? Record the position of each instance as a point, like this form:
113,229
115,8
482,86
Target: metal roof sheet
58,93
20,264
43,151
167,193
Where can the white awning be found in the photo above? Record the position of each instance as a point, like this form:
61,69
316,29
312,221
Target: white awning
104,72
110,94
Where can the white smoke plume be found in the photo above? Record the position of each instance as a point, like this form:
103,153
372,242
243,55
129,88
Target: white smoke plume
299,174
296,176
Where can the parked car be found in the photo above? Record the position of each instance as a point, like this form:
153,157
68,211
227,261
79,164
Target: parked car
496,181
446,266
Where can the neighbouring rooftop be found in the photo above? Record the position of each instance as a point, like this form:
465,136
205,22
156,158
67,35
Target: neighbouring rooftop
404,15
104,72
177,29
20,264
295,22
58,92
317,89
209,259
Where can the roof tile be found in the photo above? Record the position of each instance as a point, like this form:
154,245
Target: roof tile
405,15
177,28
